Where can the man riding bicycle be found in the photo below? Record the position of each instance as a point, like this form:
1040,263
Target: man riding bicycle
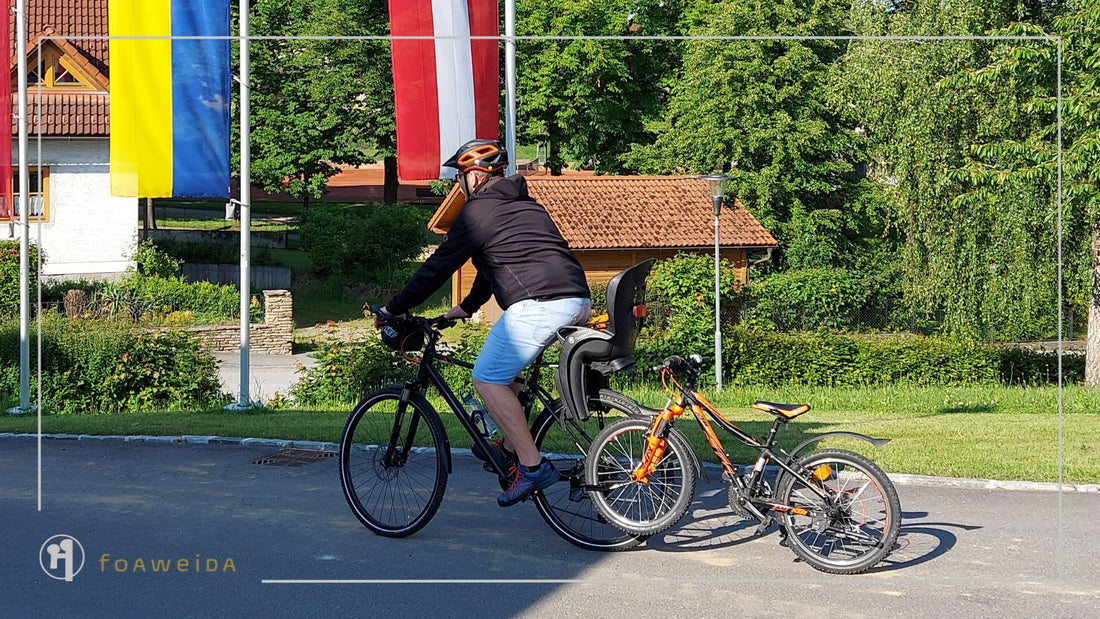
522,260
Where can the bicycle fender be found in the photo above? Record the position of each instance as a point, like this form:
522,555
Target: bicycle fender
877,442
626,404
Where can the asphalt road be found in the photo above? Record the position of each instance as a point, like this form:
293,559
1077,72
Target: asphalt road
965,552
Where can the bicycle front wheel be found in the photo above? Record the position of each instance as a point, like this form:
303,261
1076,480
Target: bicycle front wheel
639,506
393,463
566,506
852,527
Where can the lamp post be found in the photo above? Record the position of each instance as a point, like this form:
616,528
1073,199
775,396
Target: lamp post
716,183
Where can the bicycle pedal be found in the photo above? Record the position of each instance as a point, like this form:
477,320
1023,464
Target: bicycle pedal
763,526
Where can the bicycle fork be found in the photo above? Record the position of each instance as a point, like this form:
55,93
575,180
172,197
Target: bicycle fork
395,456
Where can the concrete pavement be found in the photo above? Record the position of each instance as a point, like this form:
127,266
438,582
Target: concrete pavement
296,549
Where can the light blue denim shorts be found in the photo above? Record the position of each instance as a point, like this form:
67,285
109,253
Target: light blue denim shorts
521,333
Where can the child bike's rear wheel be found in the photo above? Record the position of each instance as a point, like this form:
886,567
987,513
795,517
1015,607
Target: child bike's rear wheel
566,506
393,472
851,529
639,507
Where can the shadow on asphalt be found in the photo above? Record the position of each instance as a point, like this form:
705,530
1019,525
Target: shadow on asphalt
711,524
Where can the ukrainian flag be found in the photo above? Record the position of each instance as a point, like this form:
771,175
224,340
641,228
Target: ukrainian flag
169,98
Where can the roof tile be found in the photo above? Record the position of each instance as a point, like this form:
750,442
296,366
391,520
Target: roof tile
599,212
80,113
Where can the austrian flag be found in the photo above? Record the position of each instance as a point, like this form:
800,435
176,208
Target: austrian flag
446,88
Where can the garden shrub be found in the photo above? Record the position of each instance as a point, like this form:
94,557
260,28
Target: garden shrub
371,242
9,275
347,371
94,366
680,301
806,299
152,261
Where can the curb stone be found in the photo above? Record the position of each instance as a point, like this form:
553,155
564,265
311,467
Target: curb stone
901,479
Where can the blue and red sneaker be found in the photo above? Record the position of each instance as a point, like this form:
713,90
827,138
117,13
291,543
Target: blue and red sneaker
525,481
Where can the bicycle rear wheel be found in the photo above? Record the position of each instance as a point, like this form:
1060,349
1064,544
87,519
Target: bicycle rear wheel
566,506
640,507
393,465
854,526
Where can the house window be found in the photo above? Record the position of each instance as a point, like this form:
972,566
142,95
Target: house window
39,196
58,72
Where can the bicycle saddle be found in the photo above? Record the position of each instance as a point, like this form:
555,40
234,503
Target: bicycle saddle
786,411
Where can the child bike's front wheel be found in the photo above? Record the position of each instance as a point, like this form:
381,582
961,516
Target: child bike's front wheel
566,506
393,463
852,527
639,505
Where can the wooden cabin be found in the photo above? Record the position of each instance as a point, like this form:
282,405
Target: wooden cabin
613,222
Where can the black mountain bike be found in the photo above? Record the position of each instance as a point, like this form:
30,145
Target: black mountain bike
395,454
837,510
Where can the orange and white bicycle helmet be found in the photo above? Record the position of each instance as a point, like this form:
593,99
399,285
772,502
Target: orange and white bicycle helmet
480,155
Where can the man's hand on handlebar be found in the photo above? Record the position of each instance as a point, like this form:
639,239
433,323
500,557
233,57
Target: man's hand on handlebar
383,317
456,313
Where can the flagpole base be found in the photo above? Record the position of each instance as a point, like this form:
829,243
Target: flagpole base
243,406
20,410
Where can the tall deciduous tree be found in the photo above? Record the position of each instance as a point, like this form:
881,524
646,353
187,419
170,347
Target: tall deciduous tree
1022,152
590,98
759,110
978,258
318,104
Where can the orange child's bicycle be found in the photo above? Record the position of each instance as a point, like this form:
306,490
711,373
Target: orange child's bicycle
836,509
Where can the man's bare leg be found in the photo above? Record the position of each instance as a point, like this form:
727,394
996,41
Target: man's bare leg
504,406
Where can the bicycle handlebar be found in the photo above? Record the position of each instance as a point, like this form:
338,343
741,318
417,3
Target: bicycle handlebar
676,363
428,324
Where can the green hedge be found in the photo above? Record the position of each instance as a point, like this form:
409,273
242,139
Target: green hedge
9,276
93,366
755,357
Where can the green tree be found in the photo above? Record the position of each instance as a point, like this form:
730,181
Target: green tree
590,98
759,110
317,104
978,260
1022,153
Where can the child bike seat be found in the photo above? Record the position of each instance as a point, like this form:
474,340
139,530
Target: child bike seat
589,355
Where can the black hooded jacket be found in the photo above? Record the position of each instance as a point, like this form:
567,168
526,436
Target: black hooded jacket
515,246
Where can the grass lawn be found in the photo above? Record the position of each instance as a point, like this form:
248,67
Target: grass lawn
976,432
191,223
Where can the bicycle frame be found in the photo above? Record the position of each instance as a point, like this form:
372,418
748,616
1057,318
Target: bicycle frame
704,412
428,375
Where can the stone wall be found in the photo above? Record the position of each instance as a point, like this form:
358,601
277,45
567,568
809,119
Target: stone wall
274,336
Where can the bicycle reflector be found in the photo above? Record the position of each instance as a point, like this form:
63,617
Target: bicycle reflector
823,472
639,311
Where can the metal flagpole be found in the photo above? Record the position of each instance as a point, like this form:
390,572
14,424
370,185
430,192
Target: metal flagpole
510,82
245,400
24,215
